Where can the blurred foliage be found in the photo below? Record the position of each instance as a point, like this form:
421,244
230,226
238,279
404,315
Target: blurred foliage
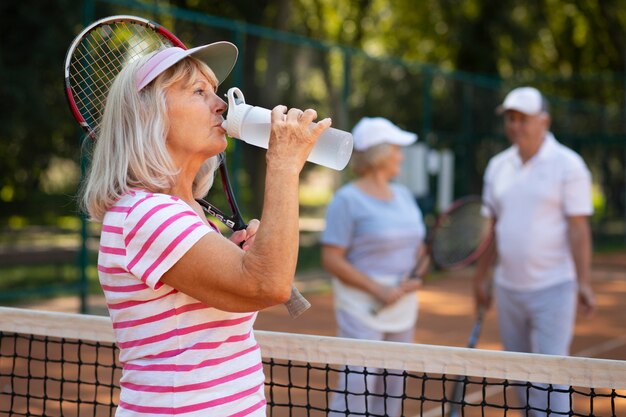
437,68
35,123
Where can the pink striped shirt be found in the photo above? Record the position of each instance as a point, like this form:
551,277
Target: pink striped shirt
179,356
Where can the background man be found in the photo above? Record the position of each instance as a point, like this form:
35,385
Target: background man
538,194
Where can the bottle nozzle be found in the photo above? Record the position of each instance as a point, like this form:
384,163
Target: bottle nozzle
237,109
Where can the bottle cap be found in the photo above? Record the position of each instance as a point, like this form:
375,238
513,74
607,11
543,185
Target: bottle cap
237,111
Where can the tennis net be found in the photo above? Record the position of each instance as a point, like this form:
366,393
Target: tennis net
58,364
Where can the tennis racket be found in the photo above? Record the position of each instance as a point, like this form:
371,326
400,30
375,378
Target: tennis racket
92,62
461,234
457,389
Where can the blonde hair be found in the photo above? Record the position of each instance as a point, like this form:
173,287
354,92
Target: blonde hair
130,149
369,159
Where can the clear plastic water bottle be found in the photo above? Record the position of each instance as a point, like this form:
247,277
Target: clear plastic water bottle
252,125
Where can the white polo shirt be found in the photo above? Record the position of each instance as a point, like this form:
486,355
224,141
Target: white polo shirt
531,203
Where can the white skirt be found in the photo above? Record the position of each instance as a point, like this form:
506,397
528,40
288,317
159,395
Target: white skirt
396,317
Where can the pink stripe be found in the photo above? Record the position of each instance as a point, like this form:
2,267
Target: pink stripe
141,200
144,219
166,314
169,249
119,209
250,409
184,331
201,346
113,251
155,235
113,229
124,288
112,270
186,368
190,408
195,387
132,303
214,226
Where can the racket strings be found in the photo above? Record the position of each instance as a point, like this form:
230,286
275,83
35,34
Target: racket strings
100,56
459,235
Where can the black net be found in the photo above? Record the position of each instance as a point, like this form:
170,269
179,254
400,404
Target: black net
299,389
47,376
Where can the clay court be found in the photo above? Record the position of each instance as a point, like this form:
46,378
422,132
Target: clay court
446,312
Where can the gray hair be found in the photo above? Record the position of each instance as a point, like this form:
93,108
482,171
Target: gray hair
369,159
130,149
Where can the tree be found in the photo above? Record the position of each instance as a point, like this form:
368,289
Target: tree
35,123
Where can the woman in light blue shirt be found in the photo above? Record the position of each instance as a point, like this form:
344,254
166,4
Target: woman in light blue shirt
373,247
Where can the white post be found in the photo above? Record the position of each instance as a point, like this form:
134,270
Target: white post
413,172
418,166
445,181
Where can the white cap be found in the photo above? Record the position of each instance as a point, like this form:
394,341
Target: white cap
372,131
219,56
527,100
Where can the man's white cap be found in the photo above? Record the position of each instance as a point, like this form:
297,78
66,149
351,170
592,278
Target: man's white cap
372,131
527,100
219,56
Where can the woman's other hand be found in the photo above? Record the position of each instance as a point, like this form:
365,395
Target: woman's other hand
388,295
246,236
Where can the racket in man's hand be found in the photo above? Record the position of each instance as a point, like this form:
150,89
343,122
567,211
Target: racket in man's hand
457,389
92,62
461,234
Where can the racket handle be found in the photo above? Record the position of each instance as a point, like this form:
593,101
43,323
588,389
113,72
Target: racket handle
296,304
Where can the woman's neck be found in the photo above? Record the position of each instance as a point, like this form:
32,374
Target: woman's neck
376,185
183,187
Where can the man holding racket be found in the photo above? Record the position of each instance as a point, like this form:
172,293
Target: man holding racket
538,194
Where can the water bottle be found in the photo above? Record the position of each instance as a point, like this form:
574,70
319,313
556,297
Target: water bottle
252,125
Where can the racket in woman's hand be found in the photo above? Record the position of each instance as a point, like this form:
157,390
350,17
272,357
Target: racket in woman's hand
461,234
92,62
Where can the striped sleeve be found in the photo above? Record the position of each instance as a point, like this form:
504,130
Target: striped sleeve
158,230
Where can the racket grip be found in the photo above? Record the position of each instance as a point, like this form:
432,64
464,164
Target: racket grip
296,304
